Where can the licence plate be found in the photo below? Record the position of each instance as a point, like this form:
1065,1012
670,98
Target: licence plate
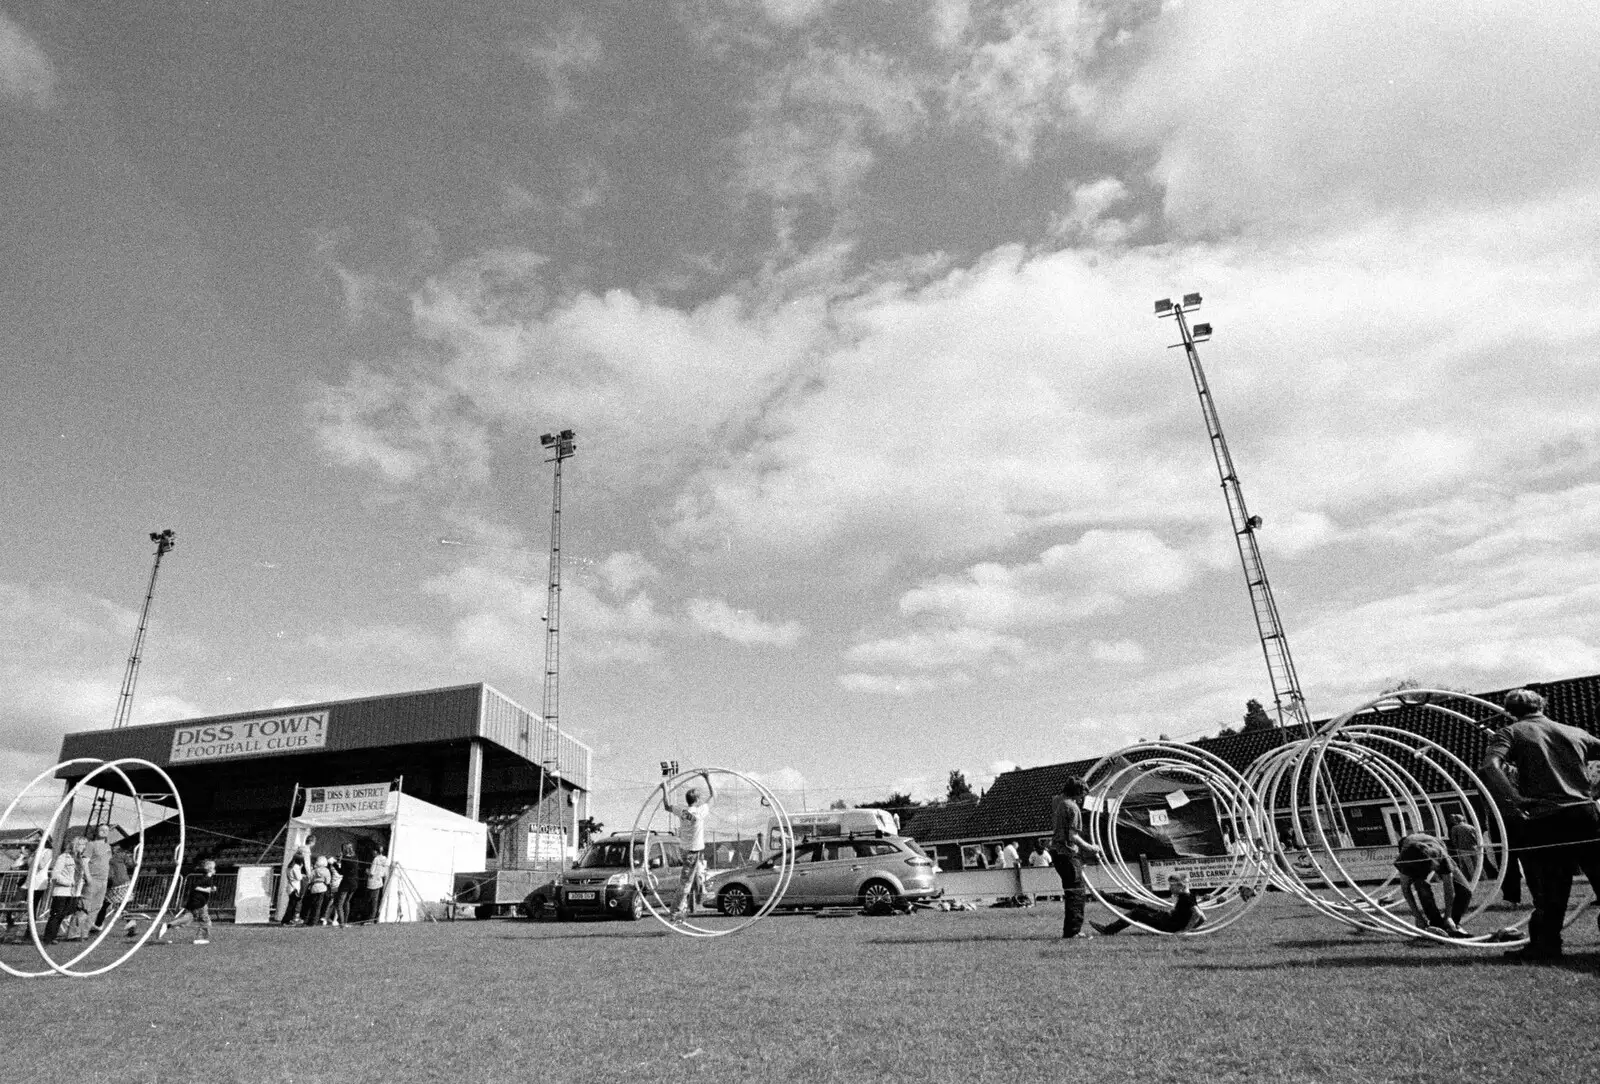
582,895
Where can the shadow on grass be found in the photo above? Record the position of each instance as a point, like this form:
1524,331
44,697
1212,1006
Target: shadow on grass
1588,963
958,940
579,935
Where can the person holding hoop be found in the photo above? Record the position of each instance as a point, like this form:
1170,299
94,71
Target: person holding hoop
692,839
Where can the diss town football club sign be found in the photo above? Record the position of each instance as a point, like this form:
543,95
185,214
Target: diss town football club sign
250,737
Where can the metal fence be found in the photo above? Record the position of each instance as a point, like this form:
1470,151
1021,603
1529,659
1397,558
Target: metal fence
148,892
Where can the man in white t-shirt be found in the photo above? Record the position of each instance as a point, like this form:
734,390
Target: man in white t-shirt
692,838
1009,858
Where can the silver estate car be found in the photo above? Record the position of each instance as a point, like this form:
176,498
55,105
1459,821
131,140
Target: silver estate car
877,873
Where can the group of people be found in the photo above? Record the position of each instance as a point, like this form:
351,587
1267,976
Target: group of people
85,883
1535,772
337,890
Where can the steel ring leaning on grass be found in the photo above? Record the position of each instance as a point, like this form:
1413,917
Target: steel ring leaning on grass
1116,777
654,805
115,767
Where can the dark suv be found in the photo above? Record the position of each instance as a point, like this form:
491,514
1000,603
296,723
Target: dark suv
600,884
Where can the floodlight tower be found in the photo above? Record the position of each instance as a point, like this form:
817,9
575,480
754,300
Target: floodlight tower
1286,696
166,541
558,448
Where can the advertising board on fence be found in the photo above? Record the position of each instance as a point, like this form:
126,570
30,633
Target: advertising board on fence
1363,864
362,798
250,737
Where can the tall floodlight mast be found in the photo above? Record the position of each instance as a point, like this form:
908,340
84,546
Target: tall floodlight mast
166,541
1286,695
558,448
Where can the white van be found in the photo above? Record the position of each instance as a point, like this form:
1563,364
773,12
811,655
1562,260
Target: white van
834,824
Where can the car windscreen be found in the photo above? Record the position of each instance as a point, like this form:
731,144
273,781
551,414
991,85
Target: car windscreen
607,855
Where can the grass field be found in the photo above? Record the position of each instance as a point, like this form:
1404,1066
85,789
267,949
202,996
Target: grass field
990,995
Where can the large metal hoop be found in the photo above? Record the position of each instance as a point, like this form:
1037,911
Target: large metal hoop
643,878
115,767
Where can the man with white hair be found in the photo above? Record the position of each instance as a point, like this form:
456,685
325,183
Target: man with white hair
692,838
1551,802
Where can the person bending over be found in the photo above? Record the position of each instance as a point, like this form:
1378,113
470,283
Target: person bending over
1423,857
1183,914
692,838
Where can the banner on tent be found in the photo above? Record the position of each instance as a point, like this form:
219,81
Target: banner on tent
361,798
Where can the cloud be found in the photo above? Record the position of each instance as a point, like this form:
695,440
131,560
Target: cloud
1270,116
813,122
402,425
26,74
1022,74
654,386
1091,576
62,655
717,617
561,57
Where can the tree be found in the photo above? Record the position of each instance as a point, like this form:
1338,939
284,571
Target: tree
958,789
1256,717
588,828
839,803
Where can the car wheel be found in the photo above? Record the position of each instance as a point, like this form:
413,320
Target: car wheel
878,897
536,907
635,909
483,910
735,901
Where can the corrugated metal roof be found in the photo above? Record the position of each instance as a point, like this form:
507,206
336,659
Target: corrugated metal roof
451,714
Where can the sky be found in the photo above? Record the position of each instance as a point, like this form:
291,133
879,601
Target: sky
884,465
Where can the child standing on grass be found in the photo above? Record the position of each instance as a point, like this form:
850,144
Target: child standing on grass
196,906
316,900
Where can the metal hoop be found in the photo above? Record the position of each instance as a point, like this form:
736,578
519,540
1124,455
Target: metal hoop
643,877
113,766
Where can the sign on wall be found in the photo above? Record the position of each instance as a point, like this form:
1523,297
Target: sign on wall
250,737
362,798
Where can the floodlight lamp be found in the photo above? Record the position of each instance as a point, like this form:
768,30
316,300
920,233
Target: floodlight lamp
548,439
1190,300
1254,523
1164,305
1202,331
566,434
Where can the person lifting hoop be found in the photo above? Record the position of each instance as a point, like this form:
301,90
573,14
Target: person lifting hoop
692,839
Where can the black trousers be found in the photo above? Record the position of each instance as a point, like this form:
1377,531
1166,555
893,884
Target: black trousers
1558,846
1069,867
61,907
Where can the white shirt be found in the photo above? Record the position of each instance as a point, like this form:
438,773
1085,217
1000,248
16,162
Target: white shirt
1039,858
1009,857
692,826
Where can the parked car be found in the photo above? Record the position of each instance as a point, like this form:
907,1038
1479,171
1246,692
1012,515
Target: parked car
601,885
878,873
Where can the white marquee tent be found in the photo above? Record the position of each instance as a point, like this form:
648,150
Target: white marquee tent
427,847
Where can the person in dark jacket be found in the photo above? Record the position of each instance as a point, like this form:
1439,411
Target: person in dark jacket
1551,801
1184,914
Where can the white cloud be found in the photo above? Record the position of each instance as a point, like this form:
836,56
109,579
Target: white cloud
560,57
742,627
1281,116
26,74
1118,652
1024,76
